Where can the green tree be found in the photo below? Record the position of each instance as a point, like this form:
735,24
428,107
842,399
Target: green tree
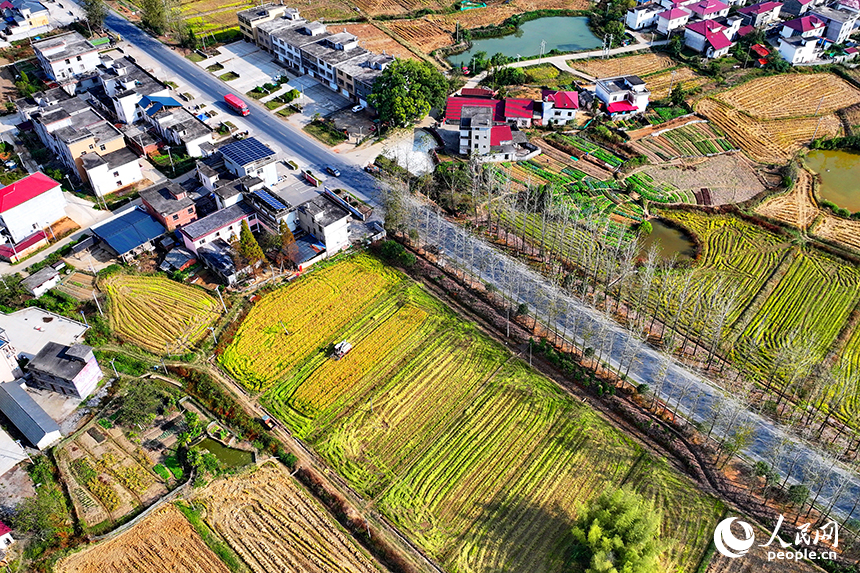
95,12
289,247
678,95
618,533
156,15
248,245
407,90
188,39
797,494
45,515
645,228
139,405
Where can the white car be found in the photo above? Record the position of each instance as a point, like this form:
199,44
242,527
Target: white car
358,108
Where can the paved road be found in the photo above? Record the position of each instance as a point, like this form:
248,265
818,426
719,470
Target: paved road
699,397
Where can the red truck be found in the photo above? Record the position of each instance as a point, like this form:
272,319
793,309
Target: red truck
237,104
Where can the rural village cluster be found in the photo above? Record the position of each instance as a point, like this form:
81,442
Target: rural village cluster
472,286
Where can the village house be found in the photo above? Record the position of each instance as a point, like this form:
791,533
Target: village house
643,15
169,204
110,172
327,221
558,107
66,57
672,19
29,205
252,18
41,281
67,370
622,95
175,124
224,224
761,14
840,23
9,368
24,19
798,49
709,9
250,157
710,37
799,7
129,232
810,26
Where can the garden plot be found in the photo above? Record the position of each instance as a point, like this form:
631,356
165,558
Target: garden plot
483,461
658,84
694,139
722,179
164,541
158,314
78,285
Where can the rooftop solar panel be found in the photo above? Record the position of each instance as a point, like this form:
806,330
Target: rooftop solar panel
272,202
246,151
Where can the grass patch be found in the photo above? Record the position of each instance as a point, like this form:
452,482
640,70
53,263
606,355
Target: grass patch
195,57
229,76
286,112
161,472
325,132
273,104
218,546
105,423
216,67
172,464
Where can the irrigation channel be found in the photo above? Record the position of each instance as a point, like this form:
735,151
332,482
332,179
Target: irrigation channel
697,398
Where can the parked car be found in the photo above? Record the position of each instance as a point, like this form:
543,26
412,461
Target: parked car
357,108
332,171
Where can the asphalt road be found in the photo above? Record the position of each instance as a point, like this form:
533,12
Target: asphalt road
261,121
696,395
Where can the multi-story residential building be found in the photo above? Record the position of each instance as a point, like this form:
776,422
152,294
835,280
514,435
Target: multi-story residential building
643,15
175,124
672,19
251,157
810,26
558,107
622,95
24,18
761,14
110,172
327,221
67,370
224,224
29,205
798,49
169,204
288,43
251,18
121,84
709,9
840,23
710,37
66,57
267,30
355,77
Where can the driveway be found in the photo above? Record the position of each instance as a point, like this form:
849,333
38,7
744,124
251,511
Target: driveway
253,66
83,212
315,99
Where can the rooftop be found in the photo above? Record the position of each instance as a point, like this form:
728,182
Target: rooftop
706,7
760,8
25,413
114,159
64,362
129,78
217,220
296,36
63,46
322,50
476,116
455,105
561,99
246,151
25,189
703,27
218,255
129,230
162,198
675,14
258,12
805,23
324,211
40,277
31,328
621,83
500,134
272,27
835,15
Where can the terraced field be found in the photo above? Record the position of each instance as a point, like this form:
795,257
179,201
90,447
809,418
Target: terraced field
479,458
807,91
158,314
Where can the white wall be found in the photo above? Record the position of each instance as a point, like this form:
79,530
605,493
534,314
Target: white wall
105,180
35,214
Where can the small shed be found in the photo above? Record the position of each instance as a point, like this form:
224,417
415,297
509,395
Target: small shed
42,281
26,415
6,538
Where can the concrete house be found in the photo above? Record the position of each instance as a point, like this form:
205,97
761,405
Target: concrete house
810,26
9,369
798,49
67,370
66,57
559,107
840,23
26,415
41,281
327,221
175,124
672,19
112,171
708,37
29,205
169,204
252,18
224,224
622,95
798,7
709,9
761,14
129,233
266,30
251,157
643,15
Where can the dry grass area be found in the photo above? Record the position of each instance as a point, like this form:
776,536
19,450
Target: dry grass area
498,11
375,40
164,541
640,64
659,83
423,34
275,526
767,141
838,230
730,178
797,208
395,7
791,95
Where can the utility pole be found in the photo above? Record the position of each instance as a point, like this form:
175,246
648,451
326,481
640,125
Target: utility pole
214,338
114,368
814,133
85,319
817,109
218,290
542,48
98,306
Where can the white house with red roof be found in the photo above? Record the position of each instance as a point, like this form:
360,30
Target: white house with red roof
558,107
29,205
810,26
710,37
761,14
6,538
672,19
798,7
622,95
709,9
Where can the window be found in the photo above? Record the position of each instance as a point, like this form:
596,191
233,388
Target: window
68,61
118,183
91,146
102,148
190,210
115,173
176,217
202,241
79,58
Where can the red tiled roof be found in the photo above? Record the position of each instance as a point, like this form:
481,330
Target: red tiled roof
499,134
762,62
25,189
851,50
674,14
4,529
744,30
805,23
704,27
519,108
760,50
4,6
718,40
760,8
561,99
706,7
477,92
9,252
454,107
618,106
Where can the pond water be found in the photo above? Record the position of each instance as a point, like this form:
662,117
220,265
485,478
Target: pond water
230,457
413,154
669,241
563,33
840,176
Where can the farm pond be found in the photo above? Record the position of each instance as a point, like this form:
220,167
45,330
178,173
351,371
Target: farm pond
669,241
839,171
230,457
563,33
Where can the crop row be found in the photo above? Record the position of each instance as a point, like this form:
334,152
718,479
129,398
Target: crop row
592,149
87,475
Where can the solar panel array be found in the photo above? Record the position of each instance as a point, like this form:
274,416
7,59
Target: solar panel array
267,198
246,151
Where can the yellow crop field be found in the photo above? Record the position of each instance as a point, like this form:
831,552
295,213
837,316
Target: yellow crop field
158,314
791,95
640,65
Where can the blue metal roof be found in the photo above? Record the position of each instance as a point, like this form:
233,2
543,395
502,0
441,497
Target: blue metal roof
129,231
25,413
157,103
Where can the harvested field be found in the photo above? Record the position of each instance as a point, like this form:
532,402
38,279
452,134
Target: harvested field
497,12
767,141
275,526
375,40
158,314
424,34
398,7
730,178
796,207
164,541
838,230
640,64
765,98
659,84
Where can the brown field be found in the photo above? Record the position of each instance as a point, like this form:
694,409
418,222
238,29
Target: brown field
389,7
792,95
497,12
275,526
796,207
164,541
659,84
640,64
423,34
78,285
767,141
730,178
375,40
838,230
